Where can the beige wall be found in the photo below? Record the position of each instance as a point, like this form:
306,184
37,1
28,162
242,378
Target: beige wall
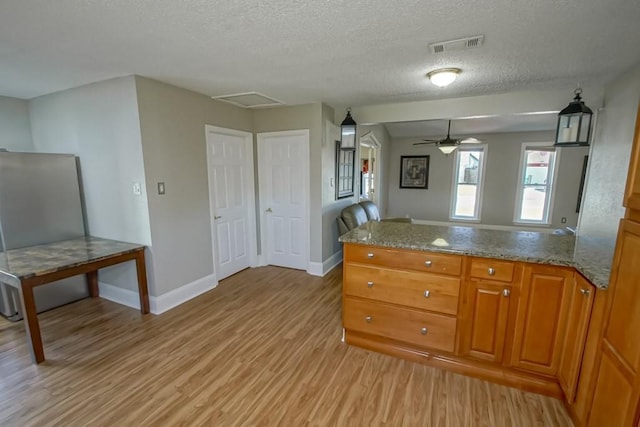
172,124
609,158
15,127
99,123
501,178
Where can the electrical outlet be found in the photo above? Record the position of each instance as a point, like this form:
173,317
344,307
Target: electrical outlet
563,220
137,189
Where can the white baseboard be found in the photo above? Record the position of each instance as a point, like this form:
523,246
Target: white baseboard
162,303
332,262
322,268
315,269
174,298
119,295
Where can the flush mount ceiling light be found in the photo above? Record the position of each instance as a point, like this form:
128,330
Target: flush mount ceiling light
444,76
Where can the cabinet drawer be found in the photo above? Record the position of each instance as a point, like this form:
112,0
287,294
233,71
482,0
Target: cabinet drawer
420,290
402,258
483,268
402,324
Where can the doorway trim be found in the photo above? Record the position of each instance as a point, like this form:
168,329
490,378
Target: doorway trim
369,140
249,176
260,137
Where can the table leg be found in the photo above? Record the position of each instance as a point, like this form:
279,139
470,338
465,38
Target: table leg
141,269
31,322
92,282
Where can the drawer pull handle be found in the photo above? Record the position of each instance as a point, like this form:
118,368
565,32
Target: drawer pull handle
370,255
428,263
423,331
491,271
370,284
585,292
506,292
368,319
427,294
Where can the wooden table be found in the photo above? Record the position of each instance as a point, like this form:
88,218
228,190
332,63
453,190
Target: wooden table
33,266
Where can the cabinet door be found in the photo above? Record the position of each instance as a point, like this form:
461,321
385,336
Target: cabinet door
541,319
617,390
580,303
486,315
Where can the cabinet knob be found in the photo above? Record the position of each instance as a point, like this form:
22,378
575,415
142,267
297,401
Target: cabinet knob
506,292
428,263
585,292
427,294
370,284
370,255
368,319
491,271
423,331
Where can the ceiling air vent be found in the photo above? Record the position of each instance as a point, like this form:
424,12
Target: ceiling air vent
249,100
456,45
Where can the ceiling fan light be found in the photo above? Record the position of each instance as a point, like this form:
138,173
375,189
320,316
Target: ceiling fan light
447,149
444,76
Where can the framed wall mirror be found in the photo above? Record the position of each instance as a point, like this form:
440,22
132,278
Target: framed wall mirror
345,171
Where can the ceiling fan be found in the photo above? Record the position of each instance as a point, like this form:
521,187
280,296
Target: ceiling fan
448,144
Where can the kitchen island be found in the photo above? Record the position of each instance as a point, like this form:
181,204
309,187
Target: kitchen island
509,307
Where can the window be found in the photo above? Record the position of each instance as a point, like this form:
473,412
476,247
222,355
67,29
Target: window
468,177
535,189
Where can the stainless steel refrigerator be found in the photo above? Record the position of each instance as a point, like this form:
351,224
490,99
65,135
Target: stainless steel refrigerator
40,202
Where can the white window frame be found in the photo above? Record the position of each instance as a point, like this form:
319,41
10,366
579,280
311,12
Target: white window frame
480,188
547,218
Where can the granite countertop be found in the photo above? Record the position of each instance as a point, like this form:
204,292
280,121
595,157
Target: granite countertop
23,263
591,257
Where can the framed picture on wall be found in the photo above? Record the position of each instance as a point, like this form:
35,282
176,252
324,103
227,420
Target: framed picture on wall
414,172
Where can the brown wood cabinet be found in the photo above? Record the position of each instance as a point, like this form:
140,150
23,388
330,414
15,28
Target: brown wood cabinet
580,305
616,397
401,296
500,320
487,313
541,321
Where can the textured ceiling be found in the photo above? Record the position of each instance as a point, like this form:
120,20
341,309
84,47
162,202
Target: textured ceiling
354,52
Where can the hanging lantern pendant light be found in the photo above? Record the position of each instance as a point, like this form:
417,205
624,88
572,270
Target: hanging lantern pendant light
348,132
574,124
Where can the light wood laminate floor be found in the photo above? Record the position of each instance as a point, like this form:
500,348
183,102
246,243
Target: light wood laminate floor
263,348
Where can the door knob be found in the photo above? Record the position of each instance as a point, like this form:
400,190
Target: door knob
217,217
269,210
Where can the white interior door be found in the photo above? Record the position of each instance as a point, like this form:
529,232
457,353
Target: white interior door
284,197
232,200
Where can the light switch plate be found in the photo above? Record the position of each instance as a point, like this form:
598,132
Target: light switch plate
137,189
161,188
